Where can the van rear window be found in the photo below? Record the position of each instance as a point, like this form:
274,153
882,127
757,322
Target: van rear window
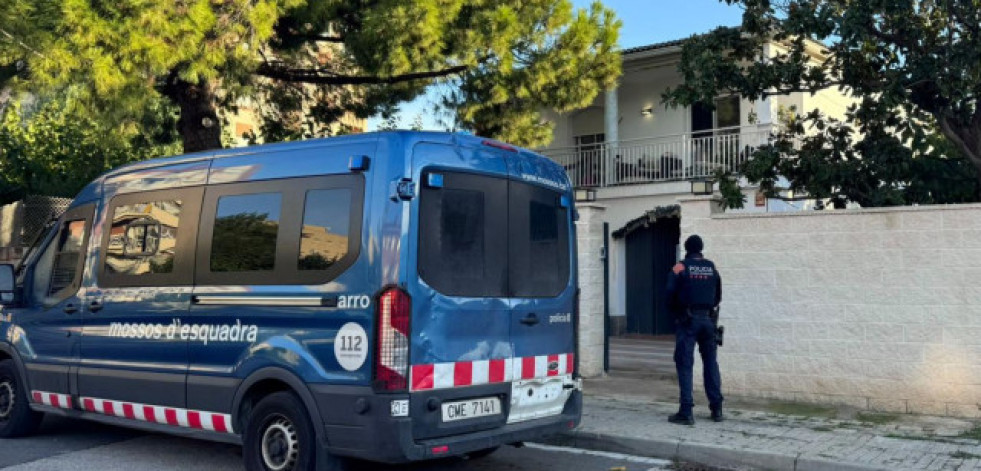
539,249
463,236
462,223
489,237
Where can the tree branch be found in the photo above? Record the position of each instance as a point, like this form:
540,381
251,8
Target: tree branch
801,89
317,37
959,15
901,41
20,43
958,140
321,77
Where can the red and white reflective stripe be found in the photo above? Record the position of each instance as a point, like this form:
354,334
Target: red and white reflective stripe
474,373
215,422
61,401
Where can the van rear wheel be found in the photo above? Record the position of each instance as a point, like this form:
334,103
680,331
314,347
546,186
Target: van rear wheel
280,437
16,417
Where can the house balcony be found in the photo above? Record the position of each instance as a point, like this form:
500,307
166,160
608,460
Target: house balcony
660,159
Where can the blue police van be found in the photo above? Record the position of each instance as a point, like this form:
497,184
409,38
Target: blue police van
393,297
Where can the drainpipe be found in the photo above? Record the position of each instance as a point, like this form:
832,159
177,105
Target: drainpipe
606,297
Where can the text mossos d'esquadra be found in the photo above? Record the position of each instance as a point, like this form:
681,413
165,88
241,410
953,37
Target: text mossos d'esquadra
194,332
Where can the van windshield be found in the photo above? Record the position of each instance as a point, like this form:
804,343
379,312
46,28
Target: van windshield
484,236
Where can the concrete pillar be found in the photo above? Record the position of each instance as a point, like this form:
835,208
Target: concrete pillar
766,112
611,116
11,216
611,127
695,212
589,233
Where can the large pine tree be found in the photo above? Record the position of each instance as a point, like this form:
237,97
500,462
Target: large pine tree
313,61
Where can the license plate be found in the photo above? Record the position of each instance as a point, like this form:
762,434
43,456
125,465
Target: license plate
471,409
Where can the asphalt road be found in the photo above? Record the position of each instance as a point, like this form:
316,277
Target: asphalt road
75,445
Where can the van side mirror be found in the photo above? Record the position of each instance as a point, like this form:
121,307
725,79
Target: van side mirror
8,284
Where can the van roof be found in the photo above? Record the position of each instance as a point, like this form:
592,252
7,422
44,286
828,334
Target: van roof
455,137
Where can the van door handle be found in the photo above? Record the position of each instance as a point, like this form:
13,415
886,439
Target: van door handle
70,309
530,319
95,306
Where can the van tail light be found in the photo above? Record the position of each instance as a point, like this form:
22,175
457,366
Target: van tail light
392,358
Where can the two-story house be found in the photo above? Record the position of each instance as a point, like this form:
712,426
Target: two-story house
639,156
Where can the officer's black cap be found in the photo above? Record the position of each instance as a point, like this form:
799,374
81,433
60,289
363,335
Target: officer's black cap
694,244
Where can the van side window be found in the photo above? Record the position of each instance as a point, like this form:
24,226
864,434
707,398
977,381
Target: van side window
68,255
326,228
148,238
287,231
143,238
246,228
463,231
57,273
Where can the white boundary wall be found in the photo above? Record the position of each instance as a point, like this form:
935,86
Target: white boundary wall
874,308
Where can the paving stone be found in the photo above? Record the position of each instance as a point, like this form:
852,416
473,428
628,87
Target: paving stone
773,441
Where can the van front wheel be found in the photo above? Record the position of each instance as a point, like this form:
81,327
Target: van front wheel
280,437
16,417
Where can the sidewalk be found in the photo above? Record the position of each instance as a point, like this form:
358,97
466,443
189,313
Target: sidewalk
620,416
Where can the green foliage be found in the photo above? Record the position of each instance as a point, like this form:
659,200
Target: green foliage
914,134
316,261
60,147
167,266
561,60
732,195
244,242
306,64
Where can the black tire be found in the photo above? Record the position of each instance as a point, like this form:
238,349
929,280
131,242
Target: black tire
16,417
280,436
476,455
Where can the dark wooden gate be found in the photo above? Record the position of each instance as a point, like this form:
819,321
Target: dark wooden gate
651,252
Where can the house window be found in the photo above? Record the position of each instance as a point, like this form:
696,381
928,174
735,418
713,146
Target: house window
590,141
587,170
727,112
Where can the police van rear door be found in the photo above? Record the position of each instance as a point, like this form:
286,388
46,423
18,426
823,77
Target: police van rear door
461,336
541,269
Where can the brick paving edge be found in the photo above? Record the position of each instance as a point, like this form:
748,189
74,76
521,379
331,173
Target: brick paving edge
703,453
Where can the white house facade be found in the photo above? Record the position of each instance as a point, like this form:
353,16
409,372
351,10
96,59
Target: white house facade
639,156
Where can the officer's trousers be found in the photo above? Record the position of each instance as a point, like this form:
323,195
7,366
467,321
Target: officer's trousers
701,330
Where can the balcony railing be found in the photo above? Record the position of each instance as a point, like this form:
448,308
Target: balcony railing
657,159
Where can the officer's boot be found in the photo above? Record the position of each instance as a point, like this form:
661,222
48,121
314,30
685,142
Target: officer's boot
681,418
717,415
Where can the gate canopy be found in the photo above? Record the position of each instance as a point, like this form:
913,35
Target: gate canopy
649,217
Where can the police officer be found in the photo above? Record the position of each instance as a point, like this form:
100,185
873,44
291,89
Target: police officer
694,293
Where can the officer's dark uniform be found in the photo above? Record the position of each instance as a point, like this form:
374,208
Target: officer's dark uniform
694,290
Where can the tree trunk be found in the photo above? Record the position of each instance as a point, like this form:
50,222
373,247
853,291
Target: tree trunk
199,125
967,138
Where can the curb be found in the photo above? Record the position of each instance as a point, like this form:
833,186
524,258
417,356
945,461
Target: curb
704,453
